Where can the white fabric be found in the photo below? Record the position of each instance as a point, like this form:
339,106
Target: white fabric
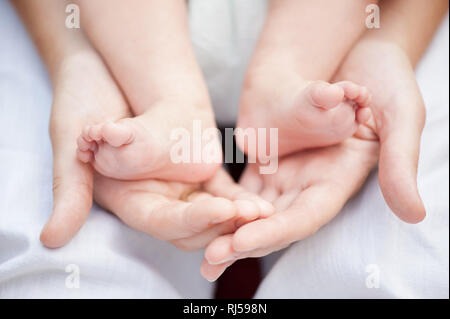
115,261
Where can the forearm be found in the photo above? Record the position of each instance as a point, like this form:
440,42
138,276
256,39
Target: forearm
312,38
147,46
45,21
409,24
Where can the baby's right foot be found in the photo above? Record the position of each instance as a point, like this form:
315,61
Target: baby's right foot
307,114
140,147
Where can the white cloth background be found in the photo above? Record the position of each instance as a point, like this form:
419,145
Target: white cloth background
115,261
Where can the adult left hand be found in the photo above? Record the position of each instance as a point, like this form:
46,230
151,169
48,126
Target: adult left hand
308,190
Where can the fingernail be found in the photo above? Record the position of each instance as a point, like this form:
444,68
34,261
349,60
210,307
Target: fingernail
225,260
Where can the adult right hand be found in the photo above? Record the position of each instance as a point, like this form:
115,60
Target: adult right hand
84,92
188,215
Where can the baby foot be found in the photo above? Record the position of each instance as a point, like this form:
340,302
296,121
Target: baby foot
320,114
138,148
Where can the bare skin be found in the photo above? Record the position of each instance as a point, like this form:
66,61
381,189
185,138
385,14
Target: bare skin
165,210
75,177
315,114
297,191
399,116
188,215
147,47
282,87
392,52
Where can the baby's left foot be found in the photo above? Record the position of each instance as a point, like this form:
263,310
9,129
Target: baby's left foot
307,114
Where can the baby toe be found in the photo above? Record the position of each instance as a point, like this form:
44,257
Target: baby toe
85,133
117,134
95,132
325,95
85,156
93,147
82,144
363,115
351,90
364,98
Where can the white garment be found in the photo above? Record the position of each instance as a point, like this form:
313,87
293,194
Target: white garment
115,261
224,33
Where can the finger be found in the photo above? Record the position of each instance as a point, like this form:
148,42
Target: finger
72,196
220,254
172,219
308,212
202,214
221,250
158,215
198,196
222,185
213,272
261,252
231,255
246,210
400,146
201,240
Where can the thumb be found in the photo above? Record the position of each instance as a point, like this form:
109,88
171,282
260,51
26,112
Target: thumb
72,196
399,153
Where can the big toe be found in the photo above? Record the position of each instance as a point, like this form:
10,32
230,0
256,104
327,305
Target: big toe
117,134
359,94
325,95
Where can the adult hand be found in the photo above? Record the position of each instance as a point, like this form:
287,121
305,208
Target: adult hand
326,179
399,112
182,213
308,190
187,215
84,93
